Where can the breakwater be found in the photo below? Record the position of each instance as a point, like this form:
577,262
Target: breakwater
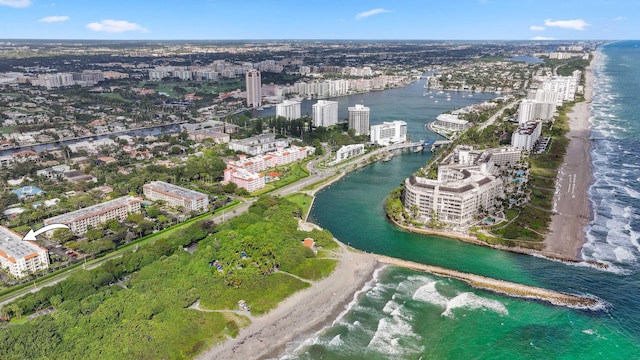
500,286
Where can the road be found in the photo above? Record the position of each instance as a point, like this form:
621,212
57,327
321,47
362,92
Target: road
315,175
495,116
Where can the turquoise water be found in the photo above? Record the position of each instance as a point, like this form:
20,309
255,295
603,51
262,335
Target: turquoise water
408,315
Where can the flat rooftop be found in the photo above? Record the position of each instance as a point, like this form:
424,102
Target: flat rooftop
171,189
11,245
92,210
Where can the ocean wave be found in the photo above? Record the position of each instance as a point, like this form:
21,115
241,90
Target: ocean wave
292,348
429,294
395,337
472,301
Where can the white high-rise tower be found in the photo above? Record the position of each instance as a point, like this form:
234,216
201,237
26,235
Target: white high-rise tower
325,113
359,119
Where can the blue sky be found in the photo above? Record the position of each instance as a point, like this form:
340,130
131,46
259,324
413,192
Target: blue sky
327,19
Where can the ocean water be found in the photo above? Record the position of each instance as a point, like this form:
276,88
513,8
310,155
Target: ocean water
403,314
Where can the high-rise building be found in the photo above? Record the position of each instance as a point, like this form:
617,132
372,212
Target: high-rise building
526,135
359,119
289,109
526,111
325,113
254,85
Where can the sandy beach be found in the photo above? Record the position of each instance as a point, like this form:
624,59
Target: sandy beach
573,212
303,313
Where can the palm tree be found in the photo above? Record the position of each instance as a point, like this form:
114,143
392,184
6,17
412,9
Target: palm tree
17,310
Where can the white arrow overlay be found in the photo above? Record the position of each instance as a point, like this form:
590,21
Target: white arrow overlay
31,235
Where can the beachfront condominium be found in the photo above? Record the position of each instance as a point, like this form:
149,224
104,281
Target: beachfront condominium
526,135
454,199
359,119
254,88
530,110
176,196
19,257
289,109
389,133
80,221
324,113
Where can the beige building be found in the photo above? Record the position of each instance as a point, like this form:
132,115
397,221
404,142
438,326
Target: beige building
79,221
176,196
20,258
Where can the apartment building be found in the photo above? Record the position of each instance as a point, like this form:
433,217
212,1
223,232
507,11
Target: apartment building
176,196
389,133
80,221
21,258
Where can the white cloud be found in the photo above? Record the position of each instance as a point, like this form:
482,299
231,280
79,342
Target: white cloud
536,28
620,18
542,38
577,24
15,3
115,26
50,19
368,13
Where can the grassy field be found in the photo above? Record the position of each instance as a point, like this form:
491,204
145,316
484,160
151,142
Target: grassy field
302,200
288,175
115,96
7,129
214,87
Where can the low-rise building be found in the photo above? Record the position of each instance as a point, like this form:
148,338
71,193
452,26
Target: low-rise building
244,179
258,144
450,122
389,133
79,221
19,257
176,196
349,151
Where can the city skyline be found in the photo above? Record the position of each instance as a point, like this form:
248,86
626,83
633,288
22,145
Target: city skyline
375,20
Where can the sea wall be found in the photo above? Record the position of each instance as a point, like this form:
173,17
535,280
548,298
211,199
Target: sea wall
500,286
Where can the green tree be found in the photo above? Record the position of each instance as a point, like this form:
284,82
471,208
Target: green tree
62,235
16,310
56,301
94,234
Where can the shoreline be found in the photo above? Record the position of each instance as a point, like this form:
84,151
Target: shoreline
566,234
572,208
308,311
303,313
516,250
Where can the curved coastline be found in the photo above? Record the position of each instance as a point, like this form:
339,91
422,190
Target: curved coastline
518,250
308,311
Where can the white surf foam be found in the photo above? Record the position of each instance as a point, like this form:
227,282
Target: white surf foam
429,294
388,336
472,301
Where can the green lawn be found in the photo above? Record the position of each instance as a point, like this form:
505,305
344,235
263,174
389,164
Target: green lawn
7,129
302,200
